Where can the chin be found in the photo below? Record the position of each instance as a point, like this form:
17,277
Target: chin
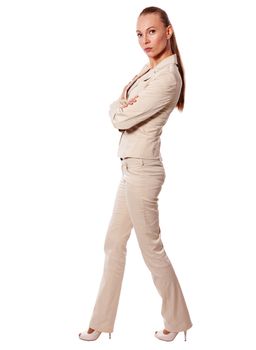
150,54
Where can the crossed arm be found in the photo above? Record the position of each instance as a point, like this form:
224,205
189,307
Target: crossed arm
125,103
160,92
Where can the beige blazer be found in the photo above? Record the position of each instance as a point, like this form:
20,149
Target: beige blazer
141,123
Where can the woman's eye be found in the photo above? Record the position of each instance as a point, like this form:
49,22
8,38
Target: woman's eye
152,31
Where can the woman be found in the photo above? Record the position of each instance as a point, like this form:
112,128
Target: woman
140,113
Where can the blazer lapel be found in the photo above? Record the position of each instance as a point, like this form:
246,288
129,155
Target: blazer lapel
144,70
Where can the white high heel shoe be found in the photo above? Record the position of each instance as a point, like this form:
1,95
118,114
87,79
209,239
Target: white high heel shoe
91,336
170,336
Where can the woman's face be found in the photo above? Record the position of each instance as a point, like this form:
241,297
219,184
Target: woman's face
153,35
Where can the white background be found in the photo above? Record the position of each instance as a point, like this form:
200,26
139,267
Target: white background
61,65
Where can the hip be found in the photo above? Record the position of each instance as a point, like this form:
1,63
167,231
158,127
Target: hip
143,167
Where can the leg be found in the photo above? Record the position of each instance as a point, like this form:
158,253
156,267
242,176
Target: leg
118,233
144,183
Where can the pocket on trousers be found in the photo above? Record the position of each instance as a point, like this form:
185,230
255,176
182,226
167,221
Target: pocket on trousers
147,167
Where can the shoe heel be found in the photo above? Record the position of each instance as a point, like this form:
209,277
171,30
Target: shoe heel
185,335
109,335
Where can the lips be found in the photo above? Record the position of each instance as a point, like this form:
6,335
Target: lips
147,49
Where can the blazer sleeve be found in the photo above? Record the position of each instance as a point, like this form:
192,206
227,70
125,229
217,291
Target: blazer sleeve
114,106
162,90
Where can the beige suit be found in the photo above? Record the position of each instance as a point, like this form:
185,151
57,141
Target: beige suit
159,90
136,203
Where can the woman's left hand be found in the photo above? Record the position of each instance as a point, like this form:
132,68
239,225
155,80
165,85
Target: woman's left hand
126,103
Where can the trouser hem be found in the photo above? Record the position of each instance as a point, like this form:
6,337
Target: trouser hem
180,328
101,329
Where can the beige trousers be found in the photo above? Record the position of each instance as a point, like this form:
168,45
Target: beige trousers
136,206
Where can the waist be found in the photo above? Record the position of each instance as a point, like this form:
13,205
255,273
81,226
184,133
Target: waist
139,146
141,158
135,161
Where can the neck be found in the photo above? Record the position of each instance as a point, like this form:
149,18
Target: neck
155,60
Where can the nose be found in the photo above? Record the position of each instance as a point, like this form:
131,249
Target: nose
146,39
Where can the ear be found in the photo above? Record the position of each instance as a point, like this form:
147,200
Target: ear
169,31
